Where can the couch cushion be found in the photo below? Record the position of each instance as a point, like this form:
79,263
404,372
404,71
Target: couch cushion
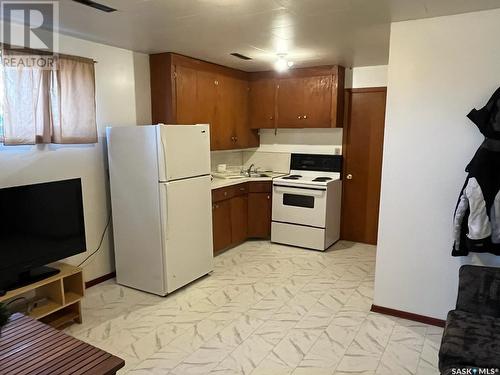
479,290
470,339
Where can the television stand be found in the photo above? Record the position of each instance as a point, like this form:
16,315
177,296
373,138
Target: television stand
55,299
32,276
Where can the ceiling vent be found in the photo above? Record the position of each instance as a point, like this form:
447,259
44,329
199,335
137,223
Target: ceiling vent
240,56
95,5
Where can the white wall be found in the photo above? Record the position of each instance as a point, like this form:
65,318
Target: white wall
439,69
122,96
366,76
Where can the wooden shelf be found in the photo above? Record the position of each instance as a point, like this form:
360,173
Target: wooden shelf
71,297
63,292
46,309
61,318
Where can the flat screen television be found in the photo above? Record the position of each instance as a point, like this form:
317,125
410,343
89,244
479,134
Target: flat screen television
39,224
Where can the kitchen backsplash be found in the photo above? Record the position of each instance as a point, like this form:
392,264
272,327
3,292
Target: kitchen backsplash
230,158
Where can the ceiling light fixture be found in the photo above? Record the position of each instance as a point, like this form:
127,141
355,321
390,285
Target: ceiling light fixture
282,64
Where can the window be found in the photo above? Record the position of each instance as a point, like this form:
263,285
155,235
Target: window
50,105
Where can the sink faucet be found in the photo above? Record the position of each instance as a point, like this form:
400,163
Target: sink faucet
249,170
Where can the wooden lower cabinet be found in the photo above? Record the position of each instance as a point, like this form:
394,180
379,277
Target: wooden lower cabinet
239,219
259,215
221,223
240,212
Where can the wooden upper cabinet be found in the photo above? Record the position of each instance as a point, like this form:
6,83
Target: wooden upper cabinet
262,103
310,97
231,121
190,91
291,103
196,96
245,137
236,103
317,102
307,102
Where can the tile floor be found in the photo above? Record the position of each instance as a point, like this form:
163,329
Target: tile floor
267,309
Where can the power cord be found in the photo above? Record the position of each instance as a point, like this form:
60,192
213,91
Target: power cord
100,242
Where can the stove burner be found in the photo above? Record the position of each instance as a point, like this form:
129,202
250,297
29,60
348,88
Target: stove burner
322,179
292,177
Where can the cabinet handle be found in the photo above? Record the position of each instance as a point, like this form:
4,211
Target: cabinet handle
349,176
271,118
305,117
225,193
268,197
242,189
216,83
300,117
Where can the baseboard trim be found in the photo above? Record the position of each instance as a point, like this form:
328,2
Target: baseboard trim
101,279
408,316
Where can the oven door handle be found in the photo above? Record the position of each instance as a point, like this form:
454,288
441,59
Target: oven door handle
301,187
284,189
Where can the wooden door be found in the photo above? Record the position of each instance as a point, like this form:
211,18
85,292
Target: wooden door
290,103
317,102
221,222
259,215
239,219
206,99
262,104
363,145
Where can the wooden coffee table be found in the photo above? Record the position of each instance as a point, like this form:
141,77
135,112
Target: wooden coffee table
28,346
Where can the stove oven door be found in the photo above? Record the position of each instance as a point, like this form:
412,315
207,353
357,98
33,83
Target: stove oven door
299,205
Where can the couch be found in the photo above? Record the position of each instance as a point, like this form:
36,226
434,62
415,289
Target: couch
471,337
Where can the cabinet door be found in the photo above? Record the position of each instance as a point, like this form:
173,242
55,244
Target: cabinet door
244,136
317,102
239,219
196,97
221,223
226,114
259,215
291,103
262,103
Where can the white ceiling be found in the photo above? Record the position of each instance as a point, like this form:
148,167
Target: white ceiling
312,32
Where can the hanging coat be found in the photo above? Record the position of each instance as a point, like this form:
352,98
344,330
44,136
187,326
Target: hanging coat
477,215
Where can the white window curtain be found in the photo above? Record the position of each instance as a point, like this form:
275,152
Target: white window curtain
50,106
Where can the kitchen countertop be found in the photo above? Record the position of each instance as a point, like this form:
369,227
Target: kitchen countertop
224,182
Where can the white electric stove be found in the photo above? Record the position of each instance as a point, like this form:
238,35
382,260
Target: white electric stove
307,202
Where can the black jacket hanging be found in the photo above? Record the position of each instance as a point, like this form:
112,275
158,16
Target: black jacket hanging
477,215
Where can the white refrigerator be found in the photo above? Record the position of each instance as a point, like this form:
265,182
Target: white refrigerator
161,205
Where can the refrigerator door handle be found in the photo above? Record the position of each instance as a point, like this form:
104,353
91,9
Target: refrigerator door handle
164,211
163,172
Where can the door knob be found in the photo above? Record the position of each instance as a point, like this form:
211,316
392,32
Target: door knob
349,176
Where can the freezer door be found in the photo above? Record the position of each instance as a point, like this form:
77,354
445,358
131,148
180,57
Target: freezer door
183,151
187,230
